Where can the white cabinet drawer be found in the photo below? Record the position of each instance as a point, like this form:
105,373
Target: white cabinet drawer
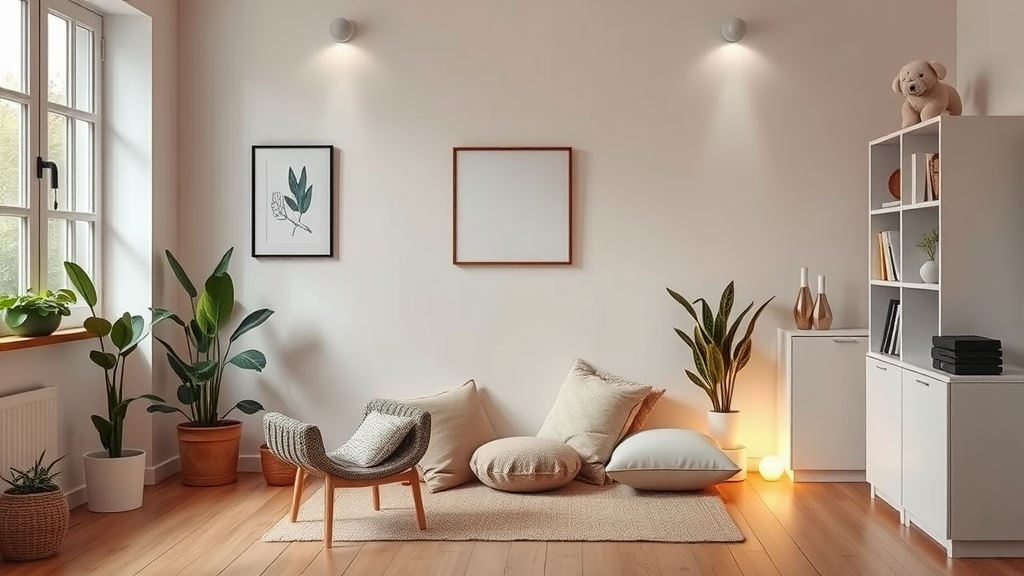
925,460
884,411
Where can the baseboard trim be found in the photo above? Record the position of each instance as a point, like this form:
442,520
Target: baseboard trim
250,463
76,497
163,471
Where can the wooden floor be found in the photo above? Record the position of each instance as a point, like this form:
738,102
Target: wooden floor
791,530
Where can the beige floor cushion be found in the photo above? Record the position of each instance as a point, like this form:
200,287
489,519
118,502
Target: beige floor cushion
458,426
525,464
592,412
670,459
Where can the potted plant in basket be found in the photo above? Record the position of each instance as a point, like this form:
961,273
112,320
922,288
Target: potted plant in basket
718,358
36,314
114,476
929,244
208,442
33,513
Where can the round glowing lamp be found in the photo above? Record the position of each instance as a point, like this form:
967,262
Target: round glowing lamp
770,468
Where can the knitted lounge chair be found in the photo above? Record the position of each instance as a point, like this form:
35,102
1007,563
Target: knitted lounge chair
302,445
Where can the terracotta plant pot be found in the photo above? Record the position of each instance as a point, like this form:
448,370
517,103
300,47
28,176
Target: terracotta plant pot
32,526
209,455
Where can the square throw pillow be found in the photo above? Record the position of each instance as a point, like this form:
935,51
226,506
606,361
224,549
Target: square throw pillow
458,426
377,437
670,459
591,414
645,411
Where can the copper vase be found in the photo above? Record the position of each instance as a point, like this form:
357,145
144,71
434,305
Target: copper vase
822,316
804,307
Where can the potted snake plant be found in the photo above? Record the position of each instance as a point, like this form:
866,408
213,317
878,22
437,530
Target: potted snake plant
208,442
718,357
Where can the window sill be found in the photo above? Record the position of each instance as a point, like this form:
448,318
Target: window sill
8,343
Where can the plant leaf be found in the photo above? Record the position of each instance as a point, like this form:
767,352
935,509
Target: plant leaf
81,281
291,203
250,360
213,309
251,321
307,199
685,303
293,184
716,365
104,360
104,428
753,320
203,370
225,261
14,318
727,349
161,314
302,183
121,332
185,395
743,354
708,320
202,341
249,406
180,274
98,327
163,408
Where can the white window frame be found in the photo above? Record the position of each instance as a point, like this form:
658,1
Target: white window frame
39,209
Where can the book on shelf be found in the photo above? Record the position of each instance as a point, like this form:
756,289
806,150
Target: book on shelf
887,328
890,203
918,177
933,175
961,369
965,342
888,263
894,339
967,356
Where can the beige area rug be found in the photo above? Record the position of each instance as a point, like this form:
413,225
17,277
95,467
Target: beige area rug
577,512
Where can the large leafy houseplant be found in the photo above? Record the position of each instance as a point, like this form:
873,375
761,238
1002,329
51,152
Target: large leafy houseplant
124,335
207,352
36,314
717,356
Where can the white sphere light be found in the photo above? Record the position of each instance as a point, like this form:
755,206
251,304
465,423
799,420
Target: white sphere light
734,30
770,468
342,29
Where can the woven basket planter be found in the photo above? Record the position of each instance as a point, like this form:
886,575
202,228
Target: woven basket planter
276,472
32,526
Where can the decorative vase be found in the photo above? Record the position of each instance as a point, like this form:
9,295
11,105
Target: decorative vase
209,454
930,272
115,484
804,307
36,325
821,318
724,427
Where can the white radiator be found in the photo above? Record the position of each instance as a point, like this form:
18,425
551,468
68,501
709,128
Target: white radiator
28,425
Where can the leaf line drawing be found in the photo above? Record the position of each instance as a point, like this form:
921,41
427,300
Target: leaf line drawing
299,201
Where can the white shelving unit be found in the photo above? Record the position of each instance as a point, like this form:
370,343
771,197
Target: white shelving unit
943,449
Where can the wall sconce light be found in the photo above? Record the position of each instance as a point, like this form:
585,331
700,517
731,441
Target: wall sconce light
734,30
342,29
770,468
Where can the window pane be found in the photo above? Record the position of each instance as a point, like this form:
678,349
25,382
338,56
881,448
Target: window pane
82,182
12,153
12,44
84,246
12,255
57,58
83,69
57,152
57,250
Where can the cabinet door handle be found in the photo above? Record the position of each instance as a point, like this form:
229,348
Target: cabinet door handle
883,368
845,340
922,382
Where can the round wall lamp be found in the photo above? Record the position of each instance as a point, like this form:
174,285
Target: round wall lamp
342,29
734,29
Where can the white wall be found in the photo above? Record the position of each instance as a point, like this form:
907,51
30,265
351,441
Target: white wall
989,48
697,163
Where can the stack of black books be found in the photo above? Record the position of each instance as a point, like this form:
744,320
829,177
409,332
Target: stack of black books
974,355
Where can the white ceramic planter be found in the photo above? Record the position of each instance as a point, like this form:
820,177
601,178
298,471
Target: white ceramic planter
724,427
115,484
930,272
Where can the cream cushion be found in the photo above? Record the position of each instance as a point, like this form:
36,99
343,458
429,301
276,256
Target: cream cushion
525,464
644,411
377,437
670,459
458,426
592,413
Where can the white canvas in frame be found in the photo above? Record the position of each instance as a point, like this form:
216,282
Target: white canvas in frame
512,205
293,201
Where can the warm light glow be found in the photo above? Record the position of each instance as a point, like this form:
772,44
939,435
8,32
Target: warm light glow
770,468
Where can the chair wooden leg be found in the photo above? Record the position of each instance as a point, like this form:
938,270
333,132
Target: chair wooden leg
421,518
328,511
300,480
376,497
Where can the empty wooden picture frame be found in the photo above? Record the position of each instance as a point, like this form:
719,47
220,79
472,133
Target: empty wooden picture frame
292,200
512,205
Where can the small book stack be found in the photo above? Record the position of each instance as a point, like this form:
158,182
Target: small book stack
973,355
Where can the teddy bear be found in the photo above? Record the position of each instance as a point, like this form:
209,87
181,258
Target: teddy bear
926,95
